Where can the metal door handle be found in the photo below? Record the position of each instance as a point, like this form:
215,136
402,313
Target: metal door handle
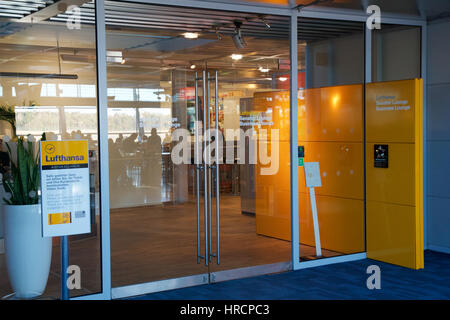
208,160
207,167
197,171
216,100
205,124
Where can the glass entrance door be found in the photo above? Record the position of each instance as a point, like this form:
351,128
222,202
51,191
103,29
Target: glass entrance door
156,191
192,174
248,130
236,156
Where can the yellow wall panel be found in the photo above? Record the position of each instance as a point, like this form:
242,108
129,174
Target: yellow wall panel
390,108
341,165
331,129
394,184
331,114
390,233
419,173
394,194
331,119
341,223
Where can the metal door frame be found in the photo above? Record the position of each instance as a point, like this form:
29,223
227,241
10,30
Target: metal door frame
258,8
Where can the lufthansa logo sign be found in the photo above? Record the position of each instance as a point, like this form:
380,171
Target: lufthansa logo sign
49,148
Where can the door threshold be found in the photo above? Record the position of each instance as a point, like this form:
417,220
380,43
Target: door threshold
158,286
248,272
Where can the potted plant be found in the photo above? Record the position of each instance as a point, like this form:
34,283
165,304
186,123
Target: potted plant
28,254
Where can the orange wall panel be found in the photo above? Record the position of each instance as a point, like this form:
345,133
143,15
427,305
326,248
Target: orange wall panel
330,128
341,223
331,114
341,167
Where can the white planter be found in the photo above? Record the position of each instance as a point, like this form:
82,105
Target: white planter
28,255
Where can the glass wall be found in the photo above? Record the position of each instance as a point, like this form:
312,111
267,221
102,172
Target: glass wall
396,53
331,133
48,85
172,73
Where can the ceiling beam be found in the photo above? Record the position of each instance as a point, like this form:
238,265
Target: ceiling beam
51,11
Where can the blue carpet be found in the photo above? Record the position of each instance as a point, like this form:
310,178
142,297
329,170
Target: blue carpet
338,281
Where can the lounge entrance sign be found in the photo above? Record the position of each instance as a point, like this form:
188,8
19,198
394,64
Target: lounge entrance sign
65,188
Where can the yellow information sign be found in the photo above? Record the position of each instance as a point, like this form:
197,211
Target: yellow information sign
65,188
64,153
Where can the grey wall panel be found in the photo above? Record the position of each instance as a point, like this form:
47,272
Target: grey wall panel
439,112
438,53
337,61
438,134
400,54
439,169
439,222
349,60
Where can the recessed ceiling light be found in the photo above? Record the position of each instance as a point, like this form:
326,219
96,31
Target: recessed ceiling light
263,69
282,78
193,66
190,35
236,56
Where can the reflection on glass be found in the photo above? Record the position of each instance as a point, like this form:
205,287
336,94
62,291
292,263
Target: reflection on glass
396,53
158,100
330,105
35,61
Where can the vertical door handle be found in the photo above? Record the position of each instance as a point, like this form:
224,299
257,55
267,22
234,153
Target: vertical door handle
197,168
216,100
208,160
205,179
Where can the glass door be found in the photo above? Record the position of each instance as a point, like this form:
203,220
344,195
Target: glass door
157,195
249,211
185,110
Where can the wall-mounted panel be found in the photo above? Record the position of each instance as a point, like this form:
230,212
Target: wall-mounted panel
394,210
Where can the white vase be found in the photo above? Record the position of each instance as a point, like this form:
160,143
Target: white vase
28,254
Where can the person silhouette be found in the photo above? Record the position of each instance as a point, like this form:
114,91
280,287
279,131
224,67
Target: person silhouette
153,153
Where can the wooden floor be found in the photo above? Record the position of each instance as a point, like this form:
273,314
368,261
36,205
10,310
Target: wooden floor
160,242
172,232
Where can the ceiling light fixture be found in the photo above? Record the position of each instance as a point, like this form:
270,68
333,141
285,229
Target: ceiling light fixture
114,56
190,35
39,75
263,69
282,79
237,37
193,66
236,56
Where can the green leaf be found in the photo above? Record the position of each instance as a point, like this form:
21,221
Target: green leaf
25,174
